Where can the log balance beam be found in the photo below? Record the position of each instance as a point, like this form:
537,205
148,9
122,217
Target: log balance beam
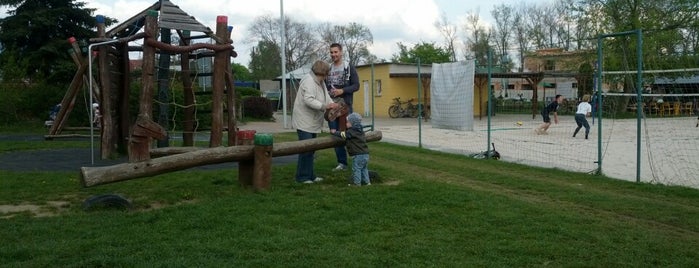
254,160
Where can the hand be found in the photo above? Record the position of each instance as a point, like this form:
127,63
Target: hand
331,106
337,92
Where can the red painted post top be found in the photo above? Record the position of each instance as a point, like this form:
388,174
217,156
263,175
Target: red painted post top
222,19
71,40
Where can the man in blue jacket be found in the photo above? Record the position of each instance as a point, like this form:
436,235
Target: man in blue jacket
342,82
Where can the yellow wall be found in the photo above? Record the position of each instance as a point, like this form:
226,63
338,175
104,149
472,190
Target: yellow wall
403,87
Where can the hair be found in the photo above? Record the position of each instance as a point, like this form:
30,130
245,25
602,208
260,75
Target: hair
586,98
320,68
337,45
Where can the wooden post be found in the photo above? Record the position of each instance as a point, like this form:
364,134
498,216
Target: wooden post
145,129
262,172
104,98
230,99
188,91
221,63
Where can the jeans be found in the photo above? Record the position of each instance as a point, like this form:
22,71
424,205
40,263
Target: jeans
360,169
581,121
304,166
340,151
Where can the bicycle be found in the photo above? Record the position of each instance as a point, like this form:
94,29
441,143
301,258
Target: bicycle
402,109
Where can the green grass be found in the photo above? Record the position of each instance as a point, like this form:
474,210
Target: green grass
428,209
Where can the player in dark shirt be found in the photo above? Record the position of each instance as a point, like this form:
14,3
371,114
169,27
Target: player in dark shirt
551,108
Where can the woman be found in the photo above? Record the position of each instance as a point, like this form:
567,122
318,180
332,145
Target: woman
312,99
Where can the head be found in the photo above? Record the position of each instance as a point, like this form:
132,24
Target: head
586,98
354,120
336,52
559,98
320,69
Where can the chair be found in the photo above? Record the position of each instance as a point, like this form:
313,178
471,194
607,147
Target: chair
652,108
676,107
665,108
687,107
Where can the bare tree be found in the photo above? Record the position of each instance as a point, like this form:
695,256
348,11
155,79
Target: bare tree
503,16
448,31
301,45
521,33
355,39
477,39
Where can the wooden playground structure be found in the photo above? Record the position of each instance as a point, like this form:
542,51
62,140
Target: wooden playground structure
119,132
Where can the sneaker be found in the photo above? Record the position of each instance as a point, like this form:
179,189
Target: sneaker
353,185
340,167
307,182
317,179
368,183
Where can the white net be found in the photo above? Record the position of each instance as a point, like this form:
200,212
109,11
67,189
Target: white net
657,143
452,95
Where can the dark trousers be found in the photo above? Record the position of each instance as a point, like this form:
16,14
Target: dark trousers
582,122
304,166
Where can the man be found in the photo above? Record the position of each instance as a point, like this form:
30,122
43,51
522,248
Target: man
551,108
341,83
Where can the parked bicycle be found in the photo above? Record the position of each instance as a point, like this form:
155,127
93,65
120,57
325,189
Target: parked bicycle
402,108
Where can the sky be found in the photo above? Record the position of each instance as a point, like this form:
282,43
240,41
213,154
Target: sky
390,21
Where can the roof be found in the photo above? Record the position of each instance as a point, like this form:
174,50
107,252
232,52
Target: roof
171,17
296,74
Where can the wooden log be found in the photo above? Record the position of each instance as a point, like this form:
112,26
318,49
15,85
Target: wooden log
92,176
139,145
221,64
262,169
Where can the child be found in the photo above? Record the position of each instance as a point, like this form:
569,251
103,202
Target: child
584,110
357,149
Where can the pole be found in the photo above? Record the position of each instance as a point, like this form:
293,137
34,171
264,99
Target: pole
373,98
419,101
490,101
283,49
639,88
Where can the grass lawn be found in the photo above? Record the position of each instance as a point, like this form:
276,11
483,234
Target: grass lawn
427,209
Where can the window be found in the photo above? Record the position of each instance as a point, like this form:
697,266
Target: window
575,85
510,86
378,88
550,65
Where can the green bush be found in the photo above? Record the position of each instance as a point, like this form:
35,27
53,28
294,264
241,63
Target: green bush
257,107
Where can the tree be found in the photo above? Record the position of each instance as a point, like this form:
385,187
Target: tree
300,45
478,41
37,39
520,33
355,39
448,31
265,61
427,53
503,24
240,72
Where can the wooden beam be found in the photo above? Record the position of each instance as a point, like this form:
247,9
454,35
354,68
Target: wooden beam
92,176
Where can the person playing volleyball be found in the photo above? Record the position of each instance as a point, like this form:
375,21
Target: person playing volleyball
551,108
